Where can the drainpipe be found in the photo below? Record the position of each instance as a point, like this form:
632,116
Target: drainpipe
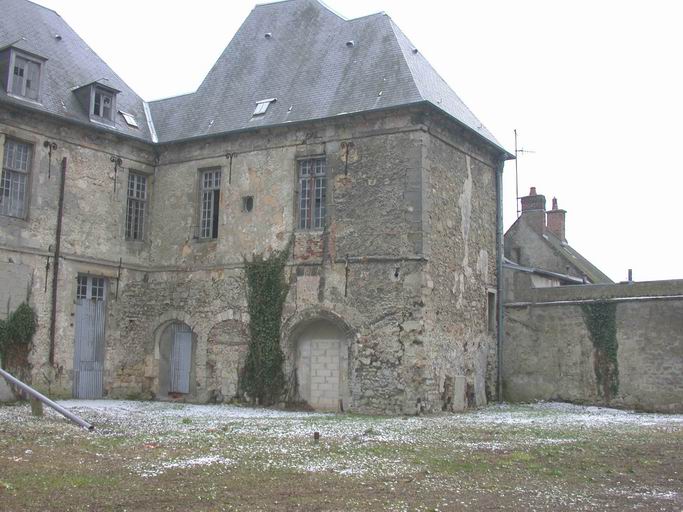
500,290
55,267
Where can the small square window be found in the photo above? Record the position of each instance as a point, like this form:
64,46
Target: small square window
262,106
129,118
247,203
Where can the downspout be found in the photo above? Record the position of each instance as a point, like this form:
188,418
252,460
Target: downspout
55,267
500,289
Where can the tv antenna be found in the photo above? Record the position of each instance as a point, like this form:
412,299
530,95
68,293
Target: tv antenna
518,151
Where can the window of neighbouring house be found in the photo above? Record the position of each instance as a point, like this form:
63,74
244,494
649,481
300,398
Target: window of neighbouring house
14,181
209,198
312,193
25,77
136,206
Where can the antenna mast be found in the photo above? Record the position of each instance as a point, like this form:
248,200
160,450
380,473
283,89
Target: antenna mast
518,151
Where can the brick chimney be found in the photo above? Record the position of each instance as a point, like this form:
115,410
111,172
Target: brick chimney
533,210
556,221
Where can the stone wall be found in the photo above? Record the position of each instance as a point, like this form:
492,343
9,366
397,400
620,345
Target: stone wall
460,227
549,353
401,270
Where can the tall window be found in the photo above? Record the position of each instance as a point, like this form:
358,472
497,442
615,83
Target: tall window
210,193
135,206
26,78
14,182
312,190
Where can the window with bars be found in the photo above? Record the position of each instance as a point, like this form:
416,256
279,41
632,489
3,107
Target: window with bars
312,191
14,182
135,206
209,198
25,78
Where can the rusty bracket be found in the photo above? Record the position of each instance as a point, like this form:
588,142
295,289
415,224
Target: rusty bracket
116,160
230,156
51,146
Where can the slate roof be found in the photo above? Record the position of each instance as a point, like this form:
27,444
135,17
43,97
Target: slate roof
70,64
306,64
593,273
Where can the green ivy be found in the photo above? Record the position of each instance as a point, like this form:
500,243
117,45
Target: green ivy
16,333
267,289
601,320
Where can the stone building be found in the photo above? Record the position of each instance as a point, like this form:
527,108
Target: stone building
571,334
125,223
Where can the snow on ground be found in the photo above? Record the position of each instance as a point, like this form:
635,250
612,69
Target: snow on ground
283,439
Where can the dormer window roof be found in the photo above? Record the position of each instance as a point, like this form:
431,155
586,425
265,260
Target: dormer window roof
21,72
99,100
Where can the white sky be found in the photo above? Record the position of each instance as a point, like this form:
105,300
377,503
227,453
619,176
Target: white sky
595,88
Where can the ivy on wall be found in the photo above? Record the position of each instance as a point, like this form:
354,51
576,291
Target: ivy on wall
16,333
601,320
263,379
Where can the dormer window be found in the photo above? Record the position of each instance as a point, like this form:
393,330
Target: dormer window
21,72
99,101
103,104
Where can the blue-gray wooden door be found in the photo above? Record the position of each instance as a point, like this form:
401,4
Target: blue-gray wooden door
181,359
89,337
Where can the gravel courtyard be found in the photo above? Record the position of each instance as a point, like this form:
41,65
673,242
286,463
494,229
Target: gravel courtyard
154,456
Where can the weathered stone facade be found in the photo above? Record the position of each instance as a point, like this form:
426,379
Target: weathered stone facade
401,272
549,353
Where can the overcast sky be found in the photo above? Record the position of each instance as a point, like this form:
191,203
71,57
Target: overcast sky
595,88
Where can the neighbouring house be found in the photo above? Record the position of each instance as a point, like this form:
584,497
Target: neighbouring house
125,224
572,334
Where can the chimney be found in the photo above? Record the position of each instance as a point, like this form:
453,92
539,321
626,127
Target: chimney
556,221
533,210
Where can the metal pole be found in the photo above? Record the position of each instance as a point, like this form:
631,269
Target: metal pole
500,288
61,410
55,266
516,177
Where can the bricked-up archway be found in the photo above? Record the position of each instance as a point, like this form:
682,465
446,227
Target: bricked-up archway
318,347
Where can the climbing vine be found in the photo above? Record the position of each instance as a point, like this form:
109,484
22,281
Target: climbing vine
16,333
263,379
600,319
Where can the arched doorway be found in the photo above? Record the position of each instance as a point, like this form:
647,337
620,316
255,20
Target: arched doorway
177,347
322,365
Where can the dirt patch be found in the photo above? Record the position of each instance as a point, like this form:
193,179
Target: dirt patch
159,456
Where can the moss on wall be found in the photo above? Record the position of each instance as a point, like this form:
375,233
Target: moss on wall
16,333
600,318
267,289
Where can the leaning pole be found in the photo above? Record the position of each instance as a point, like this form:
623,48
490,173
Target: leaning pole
61,410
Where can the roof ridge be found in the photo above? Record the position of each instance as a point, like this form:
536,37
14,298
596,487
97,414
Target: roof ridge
43,7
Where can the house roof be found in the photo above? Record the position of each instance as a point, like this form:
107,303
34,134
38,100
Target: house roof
561,248
317,64
593,273
70,64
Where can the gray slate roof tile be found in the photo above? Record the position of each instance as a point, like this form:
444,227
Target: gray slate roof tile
306,65
71,63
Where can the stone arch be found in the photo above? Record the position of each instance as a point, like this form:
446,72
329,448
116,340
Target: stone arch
177,376
157,364
318,347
